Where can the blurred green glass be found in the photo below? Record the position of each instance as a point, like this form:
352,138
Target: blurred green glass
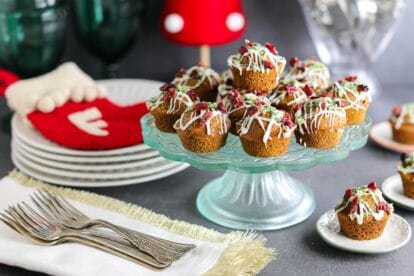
108,28
32,35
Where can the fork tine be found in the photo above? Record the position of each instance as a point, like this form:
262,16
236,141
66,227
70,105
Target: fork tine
41,221
12,223
29,219
65,205
45,208
20,221
60,209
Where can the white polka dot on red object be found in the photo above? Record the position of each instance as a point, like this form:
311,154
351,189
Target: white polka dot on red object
235,21
173,23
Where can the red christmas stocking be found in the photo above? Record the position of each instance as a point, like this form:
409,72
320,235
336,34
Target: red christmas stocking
96,125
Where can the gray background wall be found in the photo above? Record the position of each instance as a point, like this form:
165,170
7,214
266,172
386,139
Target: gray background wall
279,21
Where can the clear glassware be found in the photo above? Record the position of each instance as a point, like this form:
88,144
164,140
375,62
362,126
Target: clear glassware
254,193
32,35
349,35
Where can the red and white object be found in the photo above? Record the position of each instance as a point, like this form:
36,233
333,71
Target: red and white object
6,79
381,134
203,23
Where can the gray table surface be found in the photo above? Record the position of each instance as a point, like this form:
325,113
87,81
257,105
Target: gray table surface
301,251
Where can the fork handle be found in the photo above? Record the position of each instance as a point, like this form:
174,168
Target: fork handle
159,253
115,248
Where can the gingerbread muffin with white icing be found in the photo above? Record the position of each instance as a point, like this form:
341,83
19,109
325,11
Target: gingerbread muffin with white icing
235,104
201,79
256,66
406,171
167,107
321,122
402,123
203,128
353,96
363,213
265,131
288,96
309,71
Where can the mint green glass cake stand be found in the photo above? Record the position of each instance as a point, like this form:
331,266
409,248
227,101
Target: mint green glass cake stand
254,193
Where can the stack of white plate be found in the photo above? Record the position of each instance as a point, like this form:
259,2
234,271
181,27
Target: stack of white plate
42,159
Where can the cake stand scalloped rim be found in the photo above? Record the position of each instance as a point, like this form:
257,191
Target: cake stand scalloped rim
230,164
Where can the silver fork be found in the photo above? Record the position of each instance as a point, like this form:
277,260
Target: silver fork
23,219
59,208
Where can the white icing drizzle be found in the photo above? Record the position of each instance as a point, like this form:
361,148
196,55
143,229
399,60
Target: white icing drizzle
249,99
275,121
406,115
256,55
316,73
363,208
203,73
181,97
223,121
299,96
342,95
224,87
314,112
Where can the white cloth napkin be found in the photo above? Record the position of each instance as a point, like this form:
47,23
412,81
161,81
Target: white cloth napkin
76,259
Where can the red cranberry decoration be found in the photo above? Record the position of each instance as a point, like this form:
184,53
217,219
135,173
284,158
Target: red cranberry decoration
341,81
396,111
268,64
252,110
362,88
258,92
351,78
193,96
323,105
293,61
348,193
308,90
180,73
248,43
354,204
200,107
171,93
166,86
372,186
194,73
298,107
384,206
287,120
222,107
271,48
243,50
207,116
301,66
304,79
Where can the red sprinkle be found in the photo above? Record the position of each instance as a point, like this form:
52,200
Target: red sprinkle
194,73
271,48
309,91
200,107
180,73
293,61
268,64
362,88
372,186
384,206
252,110
351,78
166,86
222,107
291,89
348,193
287,120
193,96
243,50
169,94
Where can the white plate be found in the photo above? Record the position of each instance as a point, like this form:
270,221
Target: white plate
83,167
396,234
123,92
392,188
107,175
381,134
85,159
66,181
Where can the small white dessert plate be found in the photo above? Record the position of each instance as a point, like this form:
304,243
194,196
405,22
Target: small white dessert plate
393,190
381,134
396,234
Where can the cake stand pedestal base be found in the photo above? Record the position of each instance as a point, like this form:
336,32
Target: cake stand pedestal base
257,201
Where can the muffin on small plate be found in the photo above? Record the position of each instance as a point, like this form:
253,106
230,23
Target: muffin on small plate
265,131
256,66
167,107
236,104
402,123
288,96
363,213
353,96
406,171
202,79
309,71
203,128
321,122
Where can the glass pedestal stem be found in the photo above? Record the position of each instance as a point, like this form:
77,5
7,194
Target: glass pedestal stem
260,201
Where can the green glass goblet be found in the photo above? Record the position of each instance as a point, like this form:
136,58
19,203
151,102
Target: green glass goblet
32,35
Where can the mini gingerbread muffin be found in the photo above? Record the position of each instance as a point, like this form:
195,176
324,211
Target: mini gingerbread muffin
353,96
167,107
236,104
406,171
363,213
203,80
256,66
309,71
402,123
288,96
226,84
265,131
321,122
203,128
